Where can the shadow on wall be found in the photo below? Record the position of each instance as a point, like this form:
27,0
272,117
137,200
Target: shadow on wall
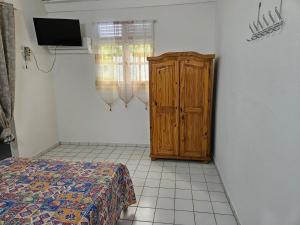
214,108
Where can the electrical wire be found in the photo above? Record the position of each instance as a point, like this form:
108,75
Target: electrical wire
52,66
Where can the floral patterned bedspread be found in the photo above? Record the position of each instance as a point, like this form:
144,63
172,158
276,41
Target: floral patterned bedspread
64,193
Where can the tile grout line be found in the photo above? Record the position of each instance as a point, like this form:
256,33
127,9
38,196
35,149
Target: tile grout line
143,189
192,196
158,193
211,203
227,196
175,191
141,161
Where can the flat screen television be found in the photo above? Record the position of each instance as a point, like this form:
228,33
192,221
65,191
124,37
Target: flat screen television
57,32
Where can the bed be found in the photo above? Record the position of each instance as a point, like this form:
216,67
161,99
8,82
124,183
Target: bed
36,191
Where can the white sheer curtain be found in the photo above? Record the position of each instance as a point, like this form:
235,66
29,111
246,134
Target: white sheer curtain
121,50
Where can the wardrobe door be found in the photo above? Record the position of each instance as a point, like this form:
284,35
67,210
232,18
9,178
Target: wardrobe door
165,108
194,108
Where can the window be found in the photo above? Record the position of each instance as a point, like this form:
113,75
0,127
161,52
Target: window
122,49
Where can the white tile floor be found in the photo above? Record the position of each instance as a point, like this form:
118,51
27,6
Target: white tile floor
168,192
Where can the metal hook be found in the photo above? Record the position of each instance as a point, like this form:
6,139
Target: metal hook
258,14
278,13
251,29
265,20
271,17
256,28
262,27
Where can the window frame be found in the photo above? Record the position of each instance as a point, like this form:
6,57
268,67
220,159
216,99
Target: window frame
124,41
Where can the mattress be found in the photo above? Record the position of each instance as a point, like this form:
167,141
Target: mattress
36,191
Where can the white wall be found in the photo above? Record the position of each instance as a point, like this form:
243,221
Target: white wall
258,114
35,109
82,115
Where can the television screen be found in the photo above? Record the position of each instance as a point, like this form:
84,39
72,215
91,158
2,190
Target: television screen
57,32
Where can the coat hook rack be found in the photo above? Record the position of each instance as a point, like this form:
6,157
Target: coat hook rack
263,27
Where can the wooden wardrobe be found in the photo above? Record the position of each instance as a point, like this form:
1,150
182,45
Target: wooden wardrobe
181,90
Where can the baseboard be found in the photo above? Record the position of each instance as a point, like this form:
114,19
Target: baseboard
105,144
46,150
226,193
